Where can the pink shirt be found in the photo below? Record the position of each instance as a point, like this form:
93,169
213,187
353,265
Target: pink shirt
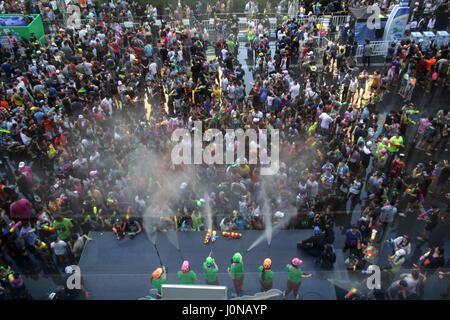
423,125
26,171
20,209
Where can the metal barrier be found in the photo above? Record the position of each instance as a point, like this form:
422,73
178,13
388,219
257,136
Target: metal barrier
379,48
338,21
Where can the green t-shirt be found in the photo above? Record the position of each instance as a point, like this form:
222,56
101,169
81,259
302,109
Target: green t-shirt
394,140
211,274
187,278
396,265
63,228
231,45
158,283
380,146
268,275
294,275
238,271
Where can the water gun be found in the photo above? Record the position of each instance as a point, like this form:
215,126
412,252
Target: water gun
51,150
369,252
351,293
207,236
411,121
176,222
434,173
347,260
213,236
425,255
48,228
358,244
129,98
374,235
410,190
128,213
115,231
412,111
427,213
232,235
94,209
14,227
390,242
322,179
313,127
4,271
5,131
320,154
394,192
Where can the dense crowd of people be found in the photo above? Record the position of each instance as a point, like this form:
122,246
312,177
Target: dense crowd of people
87,119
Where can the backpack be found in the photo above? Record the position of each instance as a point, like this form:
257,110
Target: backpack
327,260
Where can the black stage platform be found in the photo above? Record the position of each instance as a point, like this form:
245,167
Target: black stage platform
113,269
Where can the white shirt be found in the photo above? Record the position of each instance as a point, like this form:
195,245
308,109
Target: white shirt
313,187
412,284
295,90
54,5
398,242
59,248
353,84
153,68
326,120
271,66
355,187
224,53
108,104
224,83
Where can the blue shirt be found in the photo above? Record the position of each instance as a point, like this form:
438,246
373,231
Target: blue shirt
39,116
148,50
51,92
31,236
263,95
241,224
352,239
397,66
276,103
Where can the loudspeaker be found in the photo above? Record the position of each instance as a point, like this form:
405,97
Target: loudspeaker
441,22
379,33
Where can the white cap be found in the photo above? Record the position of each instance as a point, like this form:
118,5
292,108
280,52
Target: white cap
68,270
279,215
80,116
183,185
369,144
21,164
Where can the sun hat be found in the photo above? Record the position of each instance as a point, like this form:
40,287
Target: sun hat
296,262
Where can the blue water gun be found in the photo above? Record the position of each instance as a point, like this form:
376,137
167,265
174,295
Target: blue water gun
390,242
